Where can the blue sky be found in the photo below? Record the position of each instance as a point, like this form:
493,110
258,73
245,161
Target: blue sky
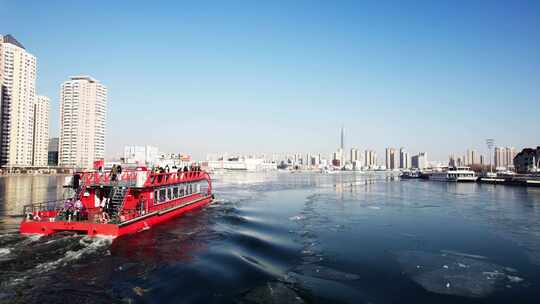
254,76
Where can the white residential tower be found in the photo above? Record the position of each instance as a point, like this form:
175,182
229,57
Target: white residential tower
83,112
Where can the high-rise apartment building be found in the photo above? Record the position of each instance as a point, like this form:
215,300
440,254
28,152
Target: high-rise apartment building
53,151
471,158
404,159
18,91
83,112
338,158
356,155
370,158
510,153
500,157
452,160
419,161
41,132
392,159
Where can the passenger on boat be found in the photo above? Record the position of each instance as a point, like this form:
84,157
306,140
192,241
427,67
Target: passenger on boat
114,172
140,206
186,169
104,210
105,217
166,170
119,170
159,171
78,208
69,212
76,180
179,173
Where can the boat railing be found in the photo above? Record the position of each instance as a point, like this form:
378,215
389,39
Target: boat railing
138,178
35,208
57,210
126,178
158,179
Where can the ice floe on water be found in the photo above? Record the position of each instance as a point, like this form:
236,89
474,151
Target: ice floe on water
273,293
455,273
330,290
297,218
327,273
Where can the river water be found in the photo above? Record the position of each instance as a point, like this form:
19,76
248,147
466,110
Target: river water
291,238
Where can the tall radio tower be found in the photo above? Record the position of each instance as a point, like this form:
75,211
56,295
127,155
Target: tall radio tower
342,144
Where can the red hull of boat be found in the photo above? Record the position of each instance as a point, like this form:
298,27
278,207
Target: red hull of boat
114,230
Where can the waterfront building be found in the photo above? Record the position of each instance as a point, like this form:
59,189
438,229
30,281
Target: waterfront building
41,132
52,157
500,157
471,158
528,161
451,160
356,155
419,161
338,158
370,158
404,159
510,153
18,93
356,158
83,111
392,161
242,163
482,160
143,155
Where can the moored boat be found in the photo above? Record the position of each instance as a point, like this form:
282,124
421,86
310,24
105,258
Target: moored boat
410,174
456,174
108,204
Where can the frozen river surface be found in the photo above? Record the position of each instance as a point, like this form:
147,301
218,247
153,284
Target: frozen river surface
291,238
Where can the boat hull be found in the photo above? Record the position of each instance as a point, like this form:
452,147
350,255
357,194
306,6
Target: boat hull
114,230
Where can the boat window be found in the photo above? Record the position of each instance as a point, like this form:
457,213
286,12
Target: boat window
169,194
162,195
181,191
175,192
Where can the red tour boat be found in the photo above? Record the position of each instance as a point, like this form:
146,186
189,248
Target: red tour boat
105,204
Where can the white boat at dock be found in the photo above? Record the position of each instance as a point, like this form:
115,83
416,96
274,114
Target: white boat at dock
456,174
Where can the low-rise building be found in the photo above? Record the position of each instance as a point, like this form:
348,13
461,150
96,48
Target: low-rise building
142,155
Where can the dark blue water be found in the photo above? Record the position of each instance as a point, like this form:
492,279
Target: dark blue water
291,238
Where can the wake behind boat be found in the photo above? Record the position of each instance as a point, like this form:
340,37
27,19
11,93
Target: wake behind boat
110,204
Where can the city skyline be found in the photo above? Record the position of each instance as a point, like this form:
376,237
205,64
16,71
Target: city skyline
473,78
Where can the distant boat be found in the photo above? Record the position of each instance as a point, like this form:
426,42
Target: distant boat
456,174
408,174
